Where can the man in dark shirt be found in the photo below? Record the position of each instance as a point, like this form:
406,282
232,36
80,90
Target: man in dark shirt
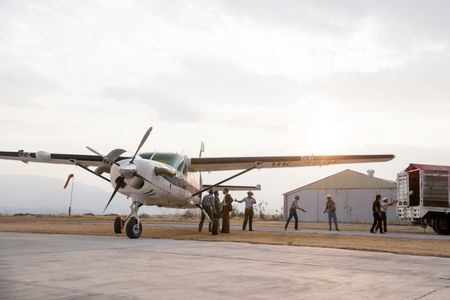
293,212
376,210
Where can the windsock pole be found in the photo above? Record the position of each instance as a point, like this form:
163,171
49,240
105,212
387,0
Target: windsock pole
71,176
71,196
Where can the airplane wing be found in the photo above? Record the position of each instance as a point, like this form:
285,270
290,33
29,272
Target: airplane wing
55,158
205,164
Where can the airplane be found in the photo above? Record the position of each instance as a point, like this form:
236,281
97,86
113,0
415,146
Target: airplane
167,179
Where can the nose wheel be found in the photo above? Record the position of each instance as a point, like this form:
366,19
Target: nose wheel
134,228
132,223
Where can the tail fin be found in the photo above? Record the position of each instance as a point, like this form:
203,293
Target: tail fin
202,149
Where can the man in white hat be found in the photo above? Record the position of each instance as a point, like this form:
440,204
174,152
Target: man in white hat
330,208
248,215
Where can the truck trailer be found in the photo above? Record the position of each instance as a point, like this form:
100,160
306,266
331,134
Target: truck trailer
423,196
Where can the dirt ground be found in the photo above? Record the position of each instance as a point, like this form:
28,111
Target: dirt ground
102,225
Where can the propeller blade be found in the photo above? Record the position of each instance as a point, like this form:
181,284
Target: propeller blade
105,158
120,183
144,138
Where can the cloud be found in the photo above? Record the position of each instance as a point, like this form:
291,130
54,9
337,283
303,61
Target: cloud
329,16
163,102
207,86
25,88
420,86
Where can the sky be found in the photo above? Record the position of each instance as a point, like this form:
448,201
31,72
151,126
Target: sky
246,77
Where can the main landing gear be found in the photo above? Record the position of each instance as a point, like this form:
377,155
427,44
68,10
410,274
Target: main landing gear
132,223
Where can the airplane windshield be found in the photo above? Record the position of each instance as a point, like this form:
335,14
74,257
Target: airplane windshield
172,159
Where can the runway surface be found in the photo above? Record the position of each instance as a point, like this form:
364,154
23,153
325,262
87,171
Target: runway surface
42,266
425,234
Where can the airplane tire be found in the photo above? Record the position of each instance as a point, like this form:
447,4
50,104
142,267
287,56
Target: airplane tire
134,228
118,225
215,226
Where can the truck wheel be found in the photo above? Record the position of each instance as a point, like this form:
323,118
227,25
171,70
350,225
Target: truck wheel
441,226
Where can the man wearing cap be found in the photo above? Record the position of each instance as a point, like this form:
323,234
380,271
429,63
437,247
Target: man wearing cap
330,208
206,204
383,209
248,215
293,212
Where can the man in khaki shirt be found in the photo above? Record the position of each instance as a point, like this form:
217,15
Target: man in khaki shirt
226,209
331,210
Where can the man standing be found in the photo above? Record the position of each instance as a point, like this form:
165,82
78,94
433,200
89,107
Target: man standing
330,208
248,215
206,204
216,213
383,209
376,211
293,212
226,208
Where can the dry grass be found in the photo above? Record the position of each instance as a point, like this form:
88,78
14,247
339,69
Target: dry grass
102,225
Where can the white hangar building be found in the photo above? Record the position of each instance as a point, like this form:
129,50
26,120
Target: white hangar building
353,193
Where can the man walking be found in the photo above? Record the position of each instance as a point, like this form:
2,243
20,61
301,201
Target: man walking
293,212
248,215
376,211
206,204
330,208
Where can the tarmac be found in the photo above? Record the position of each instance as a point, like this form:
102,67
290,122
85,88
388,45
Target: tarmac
51,266
427,234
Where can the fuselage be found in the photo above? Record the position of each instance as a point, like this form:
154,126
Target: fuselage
168,180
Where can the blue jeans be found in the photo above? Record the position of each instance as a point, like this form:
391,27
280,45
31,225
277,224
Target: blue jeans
332,215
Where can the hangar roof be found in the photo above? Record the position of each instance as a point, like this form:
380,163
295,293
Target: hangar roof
348,179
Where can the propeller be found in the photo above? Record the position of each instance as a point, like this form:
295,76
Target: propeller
144,138
120,181
105,158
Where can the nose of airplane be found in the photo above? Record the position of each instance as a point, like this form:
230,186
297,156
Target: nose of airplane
127,170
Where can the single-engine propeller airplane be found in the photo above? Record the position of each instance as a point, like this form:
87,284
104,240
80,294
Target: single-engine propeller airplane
170,179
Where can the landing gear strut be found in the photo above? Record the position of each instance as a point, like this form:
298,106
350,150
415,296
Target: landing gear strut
132,223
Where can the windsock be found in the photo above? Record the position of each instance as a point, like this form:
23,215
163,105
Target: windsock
68,179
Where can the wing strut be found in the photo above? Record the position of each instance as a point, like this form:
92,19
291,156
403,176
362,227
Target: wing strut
89,170
257,164
204,212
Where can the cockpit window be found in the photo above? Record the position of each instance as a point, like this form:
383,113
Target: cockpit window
172,159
